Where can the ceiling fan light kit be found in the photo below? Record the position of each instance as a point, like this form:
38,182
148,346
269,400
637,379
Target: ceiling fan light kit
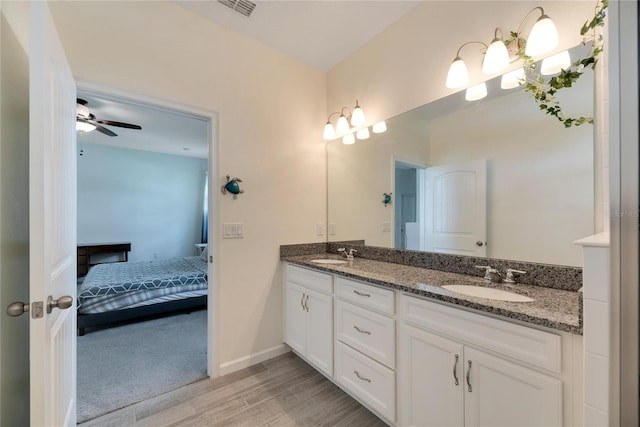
87,122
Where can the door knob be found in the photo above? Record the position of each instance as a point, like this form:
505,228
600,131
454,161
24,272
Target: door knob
479,243
17,308
62,303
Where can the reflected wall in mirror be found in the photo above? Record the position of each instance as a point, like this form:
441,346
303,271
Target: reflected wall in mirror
538,176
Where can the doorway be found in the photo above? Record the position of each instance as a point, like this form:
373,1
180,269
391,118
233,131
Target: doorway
407,190
176,222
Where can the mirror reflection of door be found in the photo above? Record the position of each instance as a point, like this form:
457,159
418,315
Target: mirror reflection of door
456,208
407,196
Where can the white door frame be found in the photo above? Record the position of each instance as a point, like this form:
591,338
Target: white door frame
419,196
213,239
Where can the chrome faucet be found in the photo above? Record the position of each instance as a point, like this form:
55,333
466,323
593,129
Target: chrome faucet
350,254
511,278
491,274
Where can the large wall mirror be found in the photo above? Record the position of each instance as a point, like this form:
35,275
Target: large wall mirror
495,178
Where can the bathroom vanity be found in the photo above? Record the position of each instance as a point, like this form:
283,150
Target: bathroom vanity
415,353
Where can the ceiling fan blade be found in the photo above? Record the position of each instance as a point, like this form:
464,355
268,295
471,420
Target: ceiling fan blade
119,124
81,101
103,129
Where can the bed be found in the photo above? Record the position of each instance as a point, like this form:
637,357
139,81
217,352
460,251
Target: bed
128,290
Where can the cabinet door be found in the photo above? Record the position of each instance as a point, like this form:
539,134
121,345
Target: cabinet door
295,327
505,394
432,379
320,330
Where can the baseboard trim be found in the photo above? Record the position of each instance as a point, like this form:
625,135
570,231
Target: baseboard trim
252,359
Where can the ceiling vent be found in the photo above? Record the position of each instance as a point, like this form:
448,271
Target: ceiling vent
243,7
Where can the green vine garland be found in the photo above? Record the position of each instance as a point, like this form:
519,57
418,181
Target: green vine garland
544,91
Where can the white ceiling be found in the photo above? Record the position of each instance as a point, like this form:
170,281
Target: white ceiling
321,33
163,131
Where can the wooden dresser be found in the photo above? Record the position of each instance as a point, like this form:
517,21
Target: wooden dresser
85,250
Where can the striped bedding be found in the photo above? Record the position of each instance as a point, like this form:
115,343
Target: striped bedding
121,285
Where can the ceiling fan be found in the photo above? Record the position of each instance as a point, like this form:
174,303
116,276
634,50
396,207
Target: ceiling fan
85,121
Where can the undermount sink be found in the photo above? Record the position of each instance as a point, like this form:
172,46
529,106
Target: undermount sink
488,293
328,261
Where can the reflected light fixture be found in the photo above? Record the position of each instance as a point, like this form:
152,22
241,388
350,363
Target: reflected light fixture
513,79
348,139
363,133
84,126
379,127
555,63
476,92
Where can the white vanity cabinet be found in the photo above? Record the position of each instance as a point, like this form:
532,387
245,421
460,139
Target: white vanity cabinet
309,316
448,379
366,344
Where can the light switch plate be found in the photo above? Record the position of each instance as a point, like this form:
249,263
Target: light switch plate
232,230
319,229
386,227
332,228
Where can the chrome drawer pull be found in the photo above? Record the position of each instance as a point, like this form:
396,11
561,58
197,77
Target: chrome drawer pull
302,302
468,381
362,331
455,369
361,378
362,294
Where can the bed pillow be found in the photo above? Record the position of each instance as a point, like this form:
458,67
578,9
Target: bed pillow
205,254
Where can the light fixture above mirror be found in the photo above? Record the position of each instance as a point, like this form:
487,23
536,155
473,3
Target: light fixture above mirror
542,39
350,126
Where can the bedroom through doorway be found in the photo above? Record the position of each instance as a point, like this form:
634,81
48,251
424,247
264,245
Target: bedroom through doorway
143,250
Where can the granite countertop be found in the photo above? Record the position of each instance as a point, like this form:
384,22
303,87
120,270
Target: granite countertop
552,308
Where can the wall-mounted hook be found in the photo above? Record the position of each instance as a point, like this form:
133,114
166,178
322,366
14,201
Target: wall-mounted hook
387,199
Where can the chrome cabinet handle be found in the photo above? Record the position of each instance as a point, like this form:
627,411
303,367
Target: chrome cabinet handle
362,294
455,369
362,331
306,303
469,372
302,302
361,377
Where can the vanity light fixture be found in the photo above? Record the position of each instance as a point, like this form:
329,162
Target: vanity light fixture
363,133
476,92
355,118
542,39
555,63
379,127
348,139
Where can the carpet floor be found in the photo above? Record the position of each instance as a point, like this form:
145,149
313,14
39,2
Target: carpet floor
127,364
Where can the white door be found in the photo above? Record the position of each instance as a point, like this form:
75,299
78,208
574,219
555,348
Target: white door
295,328
320,330
52,224
456,208
505,394
432,379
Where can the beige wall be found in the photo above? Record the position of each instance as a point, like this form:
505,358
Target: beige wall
14,208
271,109
406,65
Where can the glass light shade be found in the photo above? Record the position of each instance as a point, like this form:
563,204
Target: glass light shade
82,111
379,127
497,57
357,116
363,133
348,139
329,132
476,92
458,74
555,63
342,126
543,37
512,79
84,126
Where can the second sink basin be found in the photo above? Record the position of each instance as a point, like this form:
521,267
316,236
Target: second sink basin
488,293
328,261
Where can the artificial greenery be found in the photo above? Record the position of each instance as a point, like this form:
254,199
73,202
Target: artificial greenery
543,90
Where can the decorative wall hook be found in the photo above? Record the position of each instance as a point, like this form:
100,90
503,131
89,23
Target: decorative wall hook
232,187
387,199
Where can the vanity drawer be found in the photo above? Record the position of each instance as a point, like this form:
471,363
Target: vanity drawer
367,380
529,345
370,296
310,279
371,333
